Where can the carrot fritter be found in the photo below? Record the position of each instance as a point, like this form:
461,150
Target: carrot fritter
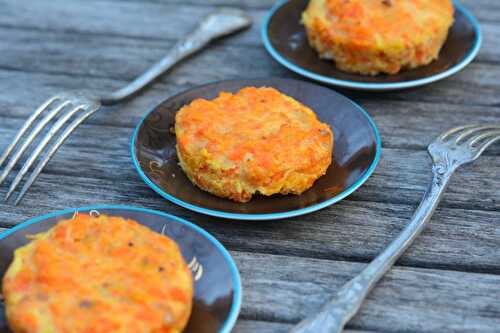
378,36
98,275
256,140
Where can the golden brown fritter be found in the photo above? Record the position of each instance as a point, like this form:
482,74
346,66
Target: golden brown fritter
98,275
257,140
378,36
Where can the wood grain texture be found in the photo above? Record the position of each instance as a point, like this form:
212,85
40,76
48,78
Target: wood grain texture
276,292
252,326
446,282
115,43
406,178
356,229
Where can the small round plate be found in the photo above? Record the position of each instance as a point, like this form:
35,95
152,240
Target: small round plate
217,285
356,153
285,39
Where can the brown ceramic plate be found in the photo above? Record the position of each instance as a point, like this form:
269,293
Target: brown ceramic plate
285,39
356,153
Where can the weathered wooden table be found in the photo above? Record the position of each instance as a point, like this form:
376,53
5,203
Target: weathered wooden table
449,280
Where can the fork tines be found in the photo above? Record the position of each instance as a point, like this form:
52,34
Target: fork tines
60,110
475,136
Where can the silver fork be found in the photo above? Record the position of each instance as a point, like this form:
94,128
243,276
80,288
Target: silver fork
452,149
67,111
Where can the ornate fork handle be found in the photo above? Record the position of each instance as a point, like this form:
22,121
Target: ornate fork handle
346,303
221,23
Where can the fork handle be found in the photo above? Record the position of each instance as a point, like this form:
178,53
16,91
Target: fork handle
348,300
218,24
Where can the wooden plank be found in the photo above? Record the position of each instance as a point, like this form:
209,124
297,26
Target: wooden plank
353,230
413,125
122,18
488,10
28,90
403,124
491,37
126,17
123,57
27,42
252,326
485,9
113,56
99,25
246,4
130,31
473,86
401,177
405,175
120,58
286,289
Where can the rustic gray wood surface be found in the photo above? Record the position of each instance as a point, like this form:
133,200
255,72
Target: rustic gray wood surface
449,280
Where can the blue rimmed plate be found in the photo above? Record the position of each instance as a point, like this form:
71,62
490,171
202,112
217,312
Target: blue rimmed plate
217,285
356,153
285,39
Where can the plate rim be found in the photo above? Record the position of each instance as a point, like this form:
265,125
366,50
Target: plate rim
266,216
230,322
371,86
